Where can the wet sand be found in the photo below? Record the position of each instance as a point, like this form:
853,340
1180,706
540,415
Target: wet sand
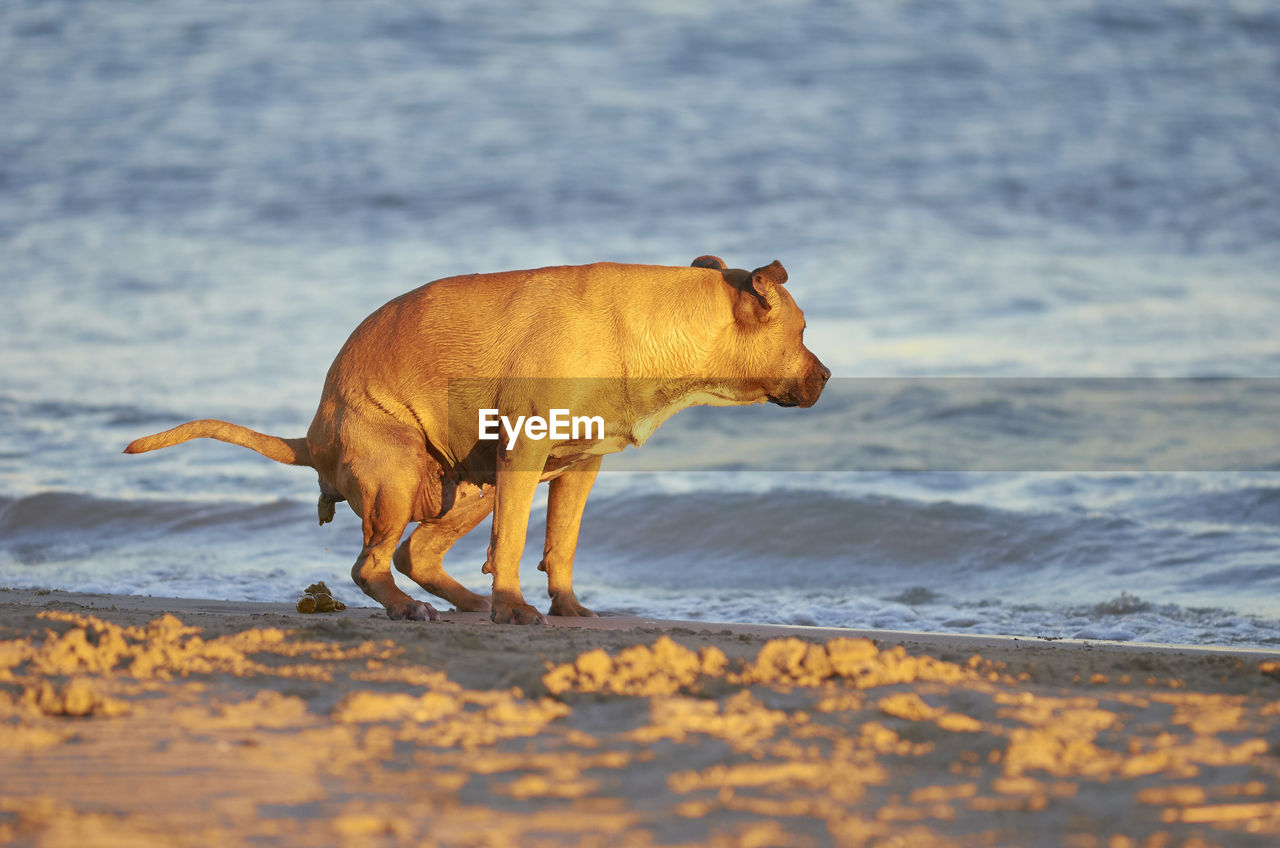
151,721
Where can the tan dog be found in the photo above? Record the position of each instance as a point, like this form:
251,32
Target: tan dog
397,434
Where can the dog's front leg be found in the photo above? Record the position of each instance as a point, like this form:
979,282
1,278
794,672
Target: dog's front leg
565,502
519,470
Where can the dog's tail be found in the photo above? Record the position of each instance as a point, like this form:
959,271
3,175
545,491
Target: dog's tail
287,451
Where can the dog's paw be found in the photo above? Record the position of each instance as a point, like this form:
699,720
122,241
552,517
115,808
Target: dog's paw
412,611
567,605
503,613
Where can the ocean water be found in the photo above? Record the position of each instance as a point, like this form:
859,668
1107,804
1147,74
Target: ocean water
1024,234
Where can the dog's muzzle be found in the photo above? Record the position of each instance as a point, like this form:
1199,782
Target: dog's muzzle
803,393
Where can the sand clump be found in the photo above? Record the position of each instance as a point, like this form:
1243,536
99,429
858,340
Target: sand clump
78,697
162,649
166,648
663,669
452,718
668,667
741,720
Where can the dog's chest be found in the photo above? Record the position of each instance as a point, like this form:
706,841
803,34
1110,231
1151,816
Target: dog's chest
645,426
619,435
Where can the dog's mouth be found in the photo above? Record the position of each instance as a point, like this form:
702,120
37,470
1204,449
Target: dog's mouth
804,392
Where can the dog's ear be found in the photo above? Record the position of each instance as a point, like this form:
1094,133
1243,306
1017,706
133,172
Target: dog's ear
764,279
715,263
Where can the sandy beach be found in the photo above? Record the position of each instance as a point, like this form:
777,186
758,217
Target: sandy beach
149,721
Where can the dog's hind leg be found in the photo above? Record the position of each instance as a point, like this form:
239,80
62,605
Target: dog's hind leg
384,487
421,556
385,517
565,502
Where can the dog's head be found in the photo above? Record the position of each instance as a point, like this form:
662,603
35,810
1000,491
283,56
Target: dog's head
767,349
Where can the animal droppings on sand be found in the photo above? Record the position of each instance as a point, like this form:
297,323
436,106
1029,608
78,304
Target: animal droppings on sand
318,598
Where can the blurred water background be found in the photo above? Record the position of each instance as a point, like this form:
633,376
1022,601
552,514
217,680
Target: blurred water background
199,201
